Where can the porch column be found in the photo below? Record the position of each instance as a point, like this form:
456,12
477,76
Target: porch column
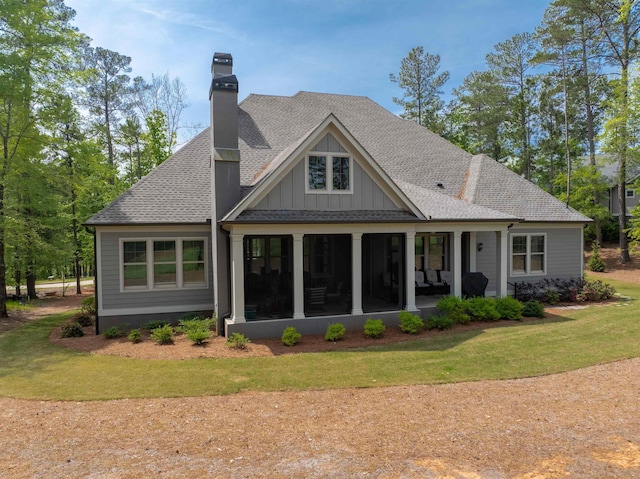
501,266
473,248
457,263
237,279
356,273
410,268
298,277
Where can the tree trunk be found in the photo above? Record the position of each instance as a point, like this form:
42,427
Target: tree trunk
18,278
3,278
31,282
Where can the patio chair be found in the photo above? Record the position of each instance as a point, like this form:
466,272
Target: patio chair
422,287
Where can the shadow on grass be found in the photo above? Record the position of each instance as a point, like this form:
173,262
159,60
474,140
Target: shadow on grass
26,350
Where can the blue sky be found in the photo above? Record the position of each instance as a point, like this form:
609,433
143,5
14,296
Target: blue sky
280,47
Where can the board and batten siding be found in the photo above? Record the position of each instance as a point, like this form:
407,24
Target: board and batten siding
111,298
563,250
289,194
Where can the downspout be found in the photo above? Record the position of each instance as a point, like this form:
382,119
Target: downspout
226,314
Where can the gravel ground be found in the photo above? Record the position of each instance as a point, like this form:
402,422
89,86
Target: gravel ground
581,424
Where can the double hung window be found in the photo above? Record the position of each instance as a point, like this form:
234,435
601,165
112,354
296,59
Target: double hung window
165,263
528,254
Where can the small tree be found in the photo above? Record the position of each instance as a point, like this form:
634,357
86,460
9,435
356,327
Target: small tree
595,262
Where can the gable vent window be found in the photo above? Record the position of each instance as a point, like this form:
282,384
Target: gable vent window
328,174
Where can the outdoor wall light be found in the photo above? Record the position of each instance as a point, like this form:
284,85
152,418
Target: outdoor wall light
480,246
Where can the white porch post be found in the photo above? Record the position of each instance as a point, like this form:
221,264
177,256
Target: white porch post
356,273
501,256
410,268
237,279
457,263
473,248
298,276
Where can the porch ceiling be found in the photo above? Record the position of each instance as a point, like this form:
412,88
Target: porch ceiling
309,216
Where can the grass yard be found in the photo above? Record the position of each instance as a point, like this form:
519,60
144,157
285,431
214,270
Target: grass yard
32,368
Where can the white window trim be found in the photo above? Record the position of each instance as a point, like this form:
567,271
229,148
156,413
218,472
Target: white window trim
528,254
180,285
328,173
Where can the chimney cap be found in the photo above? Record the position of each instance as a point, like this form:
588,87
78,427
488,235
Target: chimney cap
224,82
223,58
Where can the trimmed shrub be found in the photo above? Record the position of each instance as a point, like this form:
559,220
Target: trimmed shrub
482,309
533,309
374,328
188,325
71,330
135,336
595,262
115,332
88,305
454,308
198,336
440,322
410,323
237,341
290,336
163,334
552,296
83,319
509,308
596,290
155,324
335,331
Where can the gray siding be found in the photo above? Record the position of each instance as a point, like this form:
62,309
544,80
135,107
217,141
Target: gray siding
329,144
290,194
564,255
631,203
112,298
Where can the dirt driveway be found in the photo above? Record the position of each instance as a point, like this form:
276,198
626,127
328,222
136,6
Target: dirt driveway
581,424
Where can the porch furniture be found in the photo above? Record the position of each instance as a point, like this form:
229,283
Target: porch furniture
474,284
316,297
336,295
422,287
445,277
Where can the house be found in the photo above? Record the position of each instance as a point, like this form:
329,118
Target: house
318,208
610,173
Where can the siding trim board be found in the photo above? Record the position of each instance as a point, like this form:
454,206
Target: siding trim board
156,310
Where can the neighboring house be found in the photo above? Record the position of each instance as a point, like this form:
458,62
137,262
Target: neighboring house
319,208
610,173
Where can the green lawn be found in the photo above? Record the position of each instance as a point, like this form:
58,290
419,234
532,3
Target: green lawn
31,367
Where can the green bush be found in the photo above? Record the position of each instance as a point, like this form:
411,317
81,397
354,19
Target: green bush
115,332
374,328
72,330
198,336
155,324
596,290
595,262
482,309
533,309
552,296
163,334
410,323
189,316
509,308
290,336
83,319
135,336
335,331
237,341
440,322
187,325
88,305
454,308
